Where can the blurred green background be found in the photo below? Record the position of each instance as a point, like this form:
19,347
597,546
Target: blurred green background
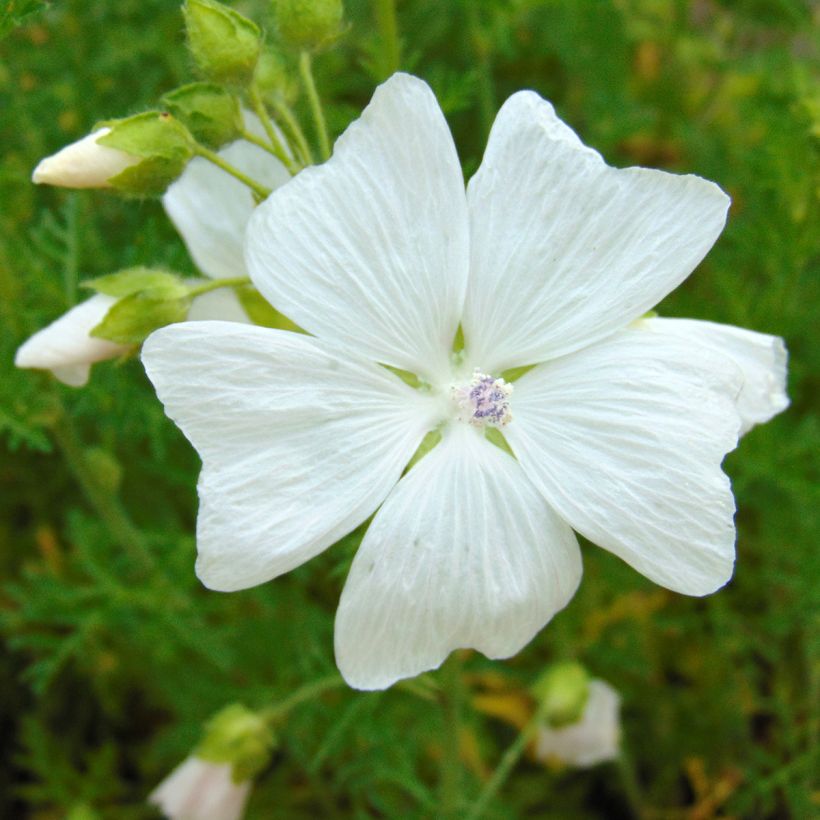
110,664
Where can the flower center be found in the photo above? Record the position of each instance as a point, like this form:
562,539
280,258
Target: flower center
484,401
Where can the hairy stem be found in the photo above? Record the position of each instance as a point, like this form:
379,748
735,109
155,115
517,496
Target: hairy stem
214,284
386,23
506,765
260,190
306,70
285,113
304,693
277,148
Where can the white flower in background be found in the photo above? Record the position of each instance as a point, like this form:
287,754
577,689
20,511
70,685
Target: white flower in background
210,209
549,259
594,739
84,164
200,790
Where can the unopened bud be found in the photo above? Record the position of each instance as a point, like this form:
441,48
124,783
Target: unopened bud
162,145
84,164
308,24
563,691
224,44
208,111
272,77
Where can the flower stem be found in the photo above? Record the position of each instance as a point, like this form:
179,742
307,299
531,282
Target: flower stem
385,13
506,765
277,148
232,282
307,692
451,696
105,503
297,134
306,70
212,156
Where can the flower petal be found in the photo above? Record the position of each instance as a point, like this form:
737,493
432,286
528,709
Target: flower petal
370,249
566,250
211,209
299,445
763,360
464,553
65,346
625,440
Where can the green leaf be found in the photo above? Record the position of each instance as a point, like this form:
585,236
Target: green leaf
133,280
135,317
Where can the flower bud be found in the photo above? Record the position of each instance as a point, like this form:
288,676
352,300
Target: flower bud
562,691
308,24
66,347
594,738
224,44
162,145
208,111
84,164
272,77
200,790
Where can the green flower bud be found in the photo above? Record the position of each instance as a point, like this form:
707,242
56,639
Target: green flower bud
273,79
209,112
563,691
160,142
132,280
224,44
308,24
238,736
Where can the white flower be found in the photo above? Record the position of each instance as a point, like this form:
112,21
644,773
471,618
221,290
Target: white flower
211,211
84,164
200,790
618,432
594,739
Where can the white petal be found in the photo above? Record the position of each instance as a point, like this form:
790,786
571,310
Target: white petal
65,346
83,164
217,304
370,249
594,739
464,553
201,790
211,209
566,250
625,440
763,360
299,444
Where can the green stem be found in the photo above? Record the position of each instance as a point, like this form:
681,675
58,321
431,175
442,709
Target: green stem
506,765
386,23
451,763
106,505
277,148
232,282
306,70
212,156
307,692
297,134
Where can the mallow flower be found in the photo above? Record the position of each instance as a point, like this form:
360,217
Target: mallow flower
210,209
617,431
594,738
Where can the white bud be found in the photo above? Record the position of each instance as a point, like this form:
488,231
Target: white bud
594,739
84,164
199,790
66,348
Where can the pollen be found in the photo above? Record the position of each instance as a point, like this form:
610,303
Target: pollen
484,401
